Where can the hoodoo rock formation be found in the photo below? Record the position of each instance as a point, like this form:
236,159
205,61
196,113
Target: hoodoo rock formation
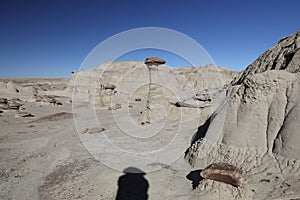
150,84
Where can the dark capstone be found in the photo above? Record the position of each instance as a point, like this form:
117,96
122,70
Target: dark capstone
155,60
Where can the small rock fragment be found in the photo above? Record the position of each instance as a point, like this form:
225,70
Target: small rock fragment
265,180
15,100
182,104
109,87
145,122
203,97
14,106
93,130
3,101
118,106
35,98
23,114
52,101
58,103
115,107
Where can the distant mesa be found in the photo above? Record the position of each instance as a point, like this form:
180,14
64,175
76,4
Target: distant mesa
154,61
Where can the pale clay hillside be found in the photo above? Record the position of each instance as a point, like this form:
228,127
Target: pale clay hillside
238,133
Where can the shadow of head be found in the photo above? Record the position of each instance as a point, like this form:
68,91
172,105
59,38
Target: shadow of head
195,177
132,185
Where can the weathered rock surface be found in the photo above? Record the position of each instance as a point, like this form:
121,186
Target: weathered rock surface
12,87
285,55
224,172
256,128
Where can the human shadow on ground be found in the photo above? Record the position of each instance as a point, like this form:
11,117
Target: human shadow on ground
195,177
132,185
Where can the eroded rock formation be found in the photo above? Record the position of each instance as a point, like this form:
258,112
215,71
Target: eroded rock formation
256,128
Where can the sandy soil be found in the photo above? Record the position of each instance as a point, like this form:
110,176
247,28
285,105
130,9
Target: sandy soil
43,157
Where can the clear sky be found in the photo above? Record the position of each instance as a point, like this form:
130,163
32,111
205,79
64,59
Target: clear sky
51,38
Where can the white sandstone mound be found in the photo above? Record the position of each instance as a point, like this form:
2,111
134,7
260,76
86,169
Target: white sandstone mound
257,128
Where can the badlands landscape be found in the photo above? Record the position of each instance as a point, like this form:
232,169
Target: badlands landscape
144,130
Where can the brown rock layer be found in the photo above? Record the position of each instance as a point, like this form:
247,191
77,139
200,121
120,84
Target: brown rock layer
225,173
154,60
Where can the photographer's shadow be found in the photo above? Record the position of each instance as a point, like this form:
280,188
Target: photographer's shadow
132,185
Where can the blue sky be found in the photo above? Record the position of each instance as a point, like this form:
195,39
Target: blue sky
51,38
